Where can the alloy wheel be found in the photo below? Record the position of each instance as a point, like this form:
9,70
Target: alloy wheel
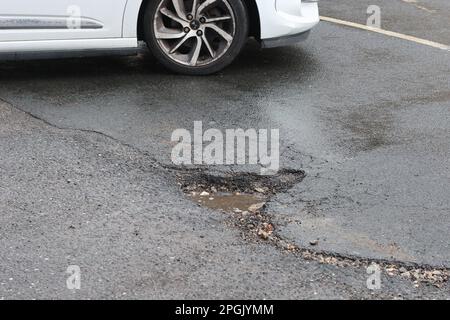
194,32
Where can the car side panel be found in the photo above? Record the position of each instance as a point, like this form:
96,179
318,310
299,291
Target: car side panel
25,20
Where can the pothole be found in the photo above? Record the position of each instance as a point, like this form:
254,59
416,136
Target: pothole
243,196
245,193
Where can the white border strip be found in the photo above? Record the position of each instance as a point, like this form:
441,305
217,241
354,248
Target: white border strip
388,33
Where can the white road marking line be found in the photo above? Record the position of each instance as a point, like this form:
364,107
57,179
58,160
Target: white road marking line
388,33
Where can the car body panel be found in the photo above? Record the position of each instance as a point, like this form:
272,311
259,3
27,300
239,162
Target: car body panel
25,20
130,18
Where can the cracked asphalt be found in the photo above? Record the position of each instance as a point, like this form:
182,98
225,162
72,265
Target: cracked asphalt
86,175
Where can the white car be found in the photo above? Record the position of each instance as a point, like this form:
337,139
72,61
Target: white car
187,36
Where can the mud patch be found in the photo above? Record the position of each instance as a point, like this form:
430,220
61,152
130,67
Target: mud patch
230,202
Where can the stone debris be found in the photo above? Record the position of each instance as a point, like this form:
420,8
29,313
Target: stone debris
263,234
420,275
256,207
265,230
290,247
261,190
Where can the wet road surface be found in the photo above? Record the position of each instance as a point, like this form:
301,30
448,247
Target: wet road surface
364,115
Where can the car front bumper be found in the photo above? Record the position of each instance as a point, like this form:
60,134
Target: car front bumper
284,22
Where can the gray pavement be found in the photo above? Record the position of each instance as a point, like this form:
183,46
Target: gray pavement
427,19
364,115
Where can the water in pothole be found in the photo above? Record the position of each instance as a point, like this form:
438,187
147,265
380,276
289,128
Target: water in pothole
230,202
236,193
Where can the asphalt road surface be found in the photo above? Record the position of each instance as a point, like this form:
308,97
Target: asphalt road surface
87,178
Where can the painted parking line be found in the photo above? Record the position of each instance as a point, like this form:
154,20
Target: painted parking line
387,33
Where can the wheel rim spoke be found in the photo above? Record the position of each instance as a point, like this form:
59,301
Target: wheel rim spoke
172,16
166,34
212,20
204,5
196,54
181,42
194,8
208,46
197,40
179,8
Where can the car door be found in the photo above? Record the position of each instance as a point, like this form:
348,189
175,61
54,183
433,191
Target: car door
25,20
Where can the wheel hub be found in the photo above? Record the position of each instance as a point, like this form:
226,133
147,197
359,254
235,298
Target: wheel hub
195,24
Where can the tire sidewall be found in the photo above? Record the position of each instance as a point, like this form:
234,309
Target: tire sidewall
239,40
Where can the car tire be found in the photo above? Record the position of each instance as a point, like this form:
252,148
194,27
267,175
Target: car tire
196,42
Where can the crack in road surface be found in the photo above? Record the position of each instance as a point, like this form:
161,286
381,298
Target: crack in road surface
244,198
